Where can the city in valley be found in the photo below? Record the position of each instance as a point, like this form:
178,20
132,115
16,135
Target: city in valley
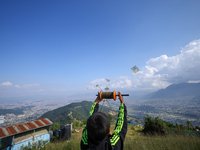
174,110
28,110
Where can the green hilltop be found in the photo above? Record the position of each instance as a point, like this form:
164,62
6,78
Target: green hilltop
66,114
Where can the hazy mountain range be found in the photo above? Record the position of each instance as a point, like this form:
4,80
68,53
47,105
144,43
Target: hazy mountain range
177,90
80,110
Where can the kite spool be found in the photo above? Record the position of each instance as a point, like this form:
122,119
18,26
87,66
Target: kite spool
109,95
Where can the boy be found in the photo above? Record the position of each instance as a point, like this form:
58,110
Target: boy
96,134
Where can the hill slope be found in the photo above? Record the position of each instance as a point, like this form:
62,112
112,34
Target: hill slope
66,114
177,90
135,140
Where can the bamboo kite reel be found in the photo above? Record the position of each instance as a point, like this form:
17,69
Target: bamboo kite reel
109,95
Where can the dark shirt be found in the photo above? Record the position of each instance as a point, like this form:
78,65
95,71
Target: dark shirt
110,142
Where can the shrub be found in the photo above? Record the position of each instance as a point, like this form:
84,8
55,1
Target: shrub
55,126
154,126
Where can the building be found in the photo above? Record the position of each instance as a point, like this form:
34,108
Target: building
71,126
16,137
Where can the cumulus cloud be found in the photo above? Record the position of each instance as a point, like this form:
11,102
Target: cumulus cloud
122,82
162,71
6,84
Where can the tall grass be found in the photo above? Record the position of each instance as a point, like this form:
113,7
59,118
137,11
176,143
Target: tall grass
72,144
170,142
135,140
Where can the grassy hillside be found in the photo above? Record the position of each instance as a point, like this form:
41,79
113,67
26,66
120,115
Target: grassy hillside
66,114
137,141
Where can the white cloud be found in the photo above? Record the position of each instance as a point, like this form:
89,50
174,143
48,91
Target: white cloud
120,82
162,71
17,86
6,84
128,83
99,81
198,81
98,84
27,86
41,90
30,85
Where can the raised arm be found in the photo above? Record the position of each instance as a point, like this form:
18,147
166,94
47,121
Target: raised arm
94,109
121,126
95,105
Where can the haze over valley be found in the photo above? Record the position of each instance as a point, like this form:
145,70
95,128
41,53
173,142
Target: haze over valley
176,109
55,53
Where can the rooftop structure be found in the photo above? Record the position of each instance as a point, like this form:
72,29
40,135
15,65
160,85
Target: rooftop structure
31,133
16,129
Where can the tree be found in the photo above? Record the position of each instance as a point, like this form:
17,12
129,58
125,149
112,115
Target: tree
189,125
84,121
77,124
181,126
55,126
153,126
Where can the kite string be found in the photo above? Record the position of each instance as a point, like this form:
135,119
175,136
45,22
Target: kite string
102,107
110,105
114,118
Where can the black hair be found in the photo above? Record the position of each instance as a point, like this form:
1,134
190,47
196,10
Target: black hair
98,126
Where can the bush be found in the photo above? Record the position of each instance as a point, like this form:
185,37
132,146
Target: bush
154,126
55,126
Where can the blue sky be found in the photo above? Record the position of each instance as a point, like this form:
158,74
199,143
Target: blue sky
62,47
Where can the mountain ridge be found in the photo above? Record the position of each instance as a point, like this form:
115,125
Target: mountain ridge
66,114
177,90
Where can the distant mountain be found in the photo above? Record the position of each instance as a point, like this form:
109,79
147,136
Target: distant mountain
177,90
66,114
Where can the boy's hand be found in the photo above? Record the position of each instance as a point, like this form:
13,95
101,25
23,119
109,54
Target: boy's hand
98,100
121,97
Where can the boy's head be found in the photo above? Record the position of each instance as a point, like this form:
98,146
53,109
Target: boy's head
98,126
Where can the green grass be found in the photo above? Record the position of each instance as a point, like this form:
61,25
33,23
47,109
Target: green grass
178,142
136,140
